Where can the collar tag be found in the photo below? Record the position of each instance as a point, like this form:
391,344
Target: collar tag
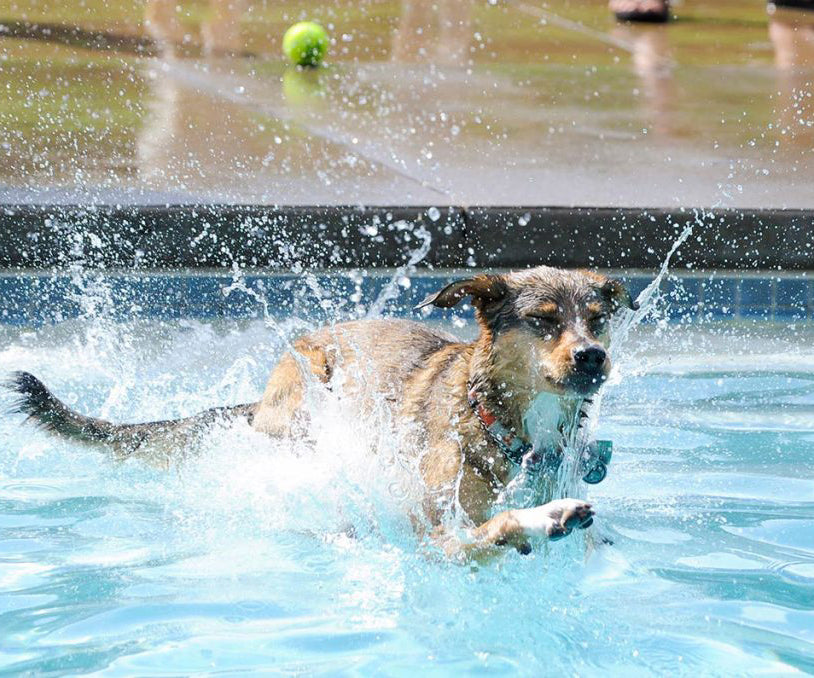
595,461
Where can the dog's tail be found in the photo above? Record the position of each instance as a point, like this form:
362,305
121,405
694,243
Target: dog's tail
54,416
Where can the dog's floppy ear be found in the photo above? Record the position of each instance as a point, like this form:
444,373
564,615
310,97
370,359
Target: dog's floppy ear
482,288
619,295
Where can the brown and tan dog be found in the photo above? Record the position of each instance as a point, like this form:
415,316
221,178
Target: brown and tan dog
460,406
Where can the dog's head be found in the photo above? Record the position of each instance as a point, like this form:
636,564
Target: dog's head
547,328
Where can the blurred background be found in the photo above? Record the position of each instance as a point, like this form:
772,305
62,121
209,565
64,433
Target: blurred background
419,102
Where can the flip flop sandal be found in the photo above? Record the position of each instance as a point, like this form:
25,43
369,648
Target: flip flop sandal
644,11
795,4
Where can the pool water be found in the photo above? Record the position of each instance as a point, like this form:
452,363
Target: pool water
240,559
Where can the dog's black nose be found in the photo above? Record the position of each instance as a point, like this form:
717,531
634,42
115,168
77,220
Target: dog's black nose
589,358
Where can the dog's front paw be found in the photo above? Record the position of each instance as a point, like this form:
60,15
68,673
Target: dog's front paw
556,519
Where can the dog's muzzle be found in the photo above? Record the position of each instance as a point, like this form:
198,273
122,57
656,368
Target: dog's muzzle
589,368
589,360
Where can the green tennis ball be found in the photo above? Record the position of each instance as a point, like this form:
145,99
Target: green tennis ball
305,43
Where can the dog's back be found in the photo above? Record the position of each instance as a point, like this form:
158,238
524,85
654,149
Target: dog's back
379,355
367,363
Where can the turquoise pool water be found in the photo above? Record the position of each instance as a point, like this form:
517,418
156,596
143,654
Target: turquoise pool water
239,560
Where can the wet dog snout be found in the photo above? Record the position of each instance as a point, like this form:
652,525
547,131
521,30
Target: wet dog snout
589,358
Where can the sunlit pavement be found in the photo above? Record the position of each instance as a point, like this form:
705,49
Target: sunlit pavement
428,103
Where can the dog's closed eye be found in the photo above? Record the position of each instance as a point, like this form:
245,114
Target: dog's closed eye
598,324
543,321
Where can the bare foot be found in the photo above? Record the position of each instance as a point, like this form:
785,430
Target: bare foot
641,10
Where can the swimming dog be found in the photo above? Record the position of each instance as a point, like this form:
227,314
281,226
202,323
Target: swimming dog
543,331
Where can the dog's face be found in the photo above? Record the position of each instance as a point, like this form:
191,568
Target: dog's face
548,328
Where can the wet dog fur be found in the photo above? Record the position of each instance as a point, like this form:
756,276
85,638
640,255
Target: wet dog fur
542,330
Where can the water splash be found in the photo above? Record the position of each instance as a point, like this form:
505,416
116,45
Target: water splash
391,290
361,471
580,418
583,422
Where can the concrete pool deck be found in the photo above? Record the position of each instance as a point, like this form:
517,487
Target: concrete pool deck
422,103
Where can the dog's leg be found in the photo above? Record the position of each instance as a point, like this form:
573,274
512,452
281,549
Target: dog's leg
280,412
553,520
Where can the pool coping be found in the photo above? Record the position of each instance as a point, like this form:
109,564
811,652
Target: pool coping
296,238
